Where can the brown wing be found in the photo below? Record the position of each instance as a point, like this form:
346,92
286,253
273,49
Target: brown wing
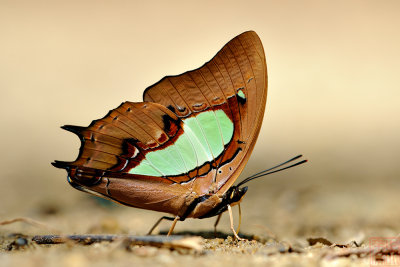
118,143
141,156
234,81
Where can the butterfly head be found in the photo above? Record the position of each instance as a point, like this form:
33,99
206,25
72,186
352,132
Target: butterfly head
232,197
235,194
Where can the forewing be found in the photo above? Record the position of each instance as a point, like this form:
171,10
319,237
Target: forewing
233,82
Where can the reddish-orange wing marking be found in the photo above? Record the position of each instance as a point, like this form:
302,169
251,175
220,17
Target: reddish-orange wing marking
182,149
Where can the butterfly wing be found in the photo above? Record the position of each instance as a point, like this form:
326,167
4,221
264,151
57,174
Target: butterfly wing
120,157
234,83
191,138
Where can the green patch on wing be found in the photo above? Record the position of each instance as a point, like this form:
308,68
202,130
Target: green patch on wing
241,94
203,140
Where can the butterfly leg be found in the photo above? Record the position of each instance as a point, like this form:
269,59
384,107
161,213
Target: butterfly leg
240,218
216,223
233,228
173,226
158,222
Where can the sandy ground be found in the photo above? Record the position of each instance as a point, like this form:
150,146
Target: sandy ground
279,225
333,96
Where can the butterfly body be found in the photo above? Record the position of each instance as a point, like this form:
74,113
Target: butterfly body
181,150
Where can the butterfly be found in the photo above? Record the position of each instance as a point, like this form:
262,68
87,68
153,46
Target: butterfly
181,149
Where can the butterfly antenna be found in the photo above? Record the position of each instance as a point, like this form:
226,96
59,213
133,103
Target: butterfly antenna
272,170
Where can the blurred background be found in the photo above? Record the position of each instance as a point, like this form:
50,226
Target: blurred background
334,76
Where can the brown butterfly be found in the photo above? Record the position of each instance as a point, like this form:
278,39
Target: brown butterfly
181,150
